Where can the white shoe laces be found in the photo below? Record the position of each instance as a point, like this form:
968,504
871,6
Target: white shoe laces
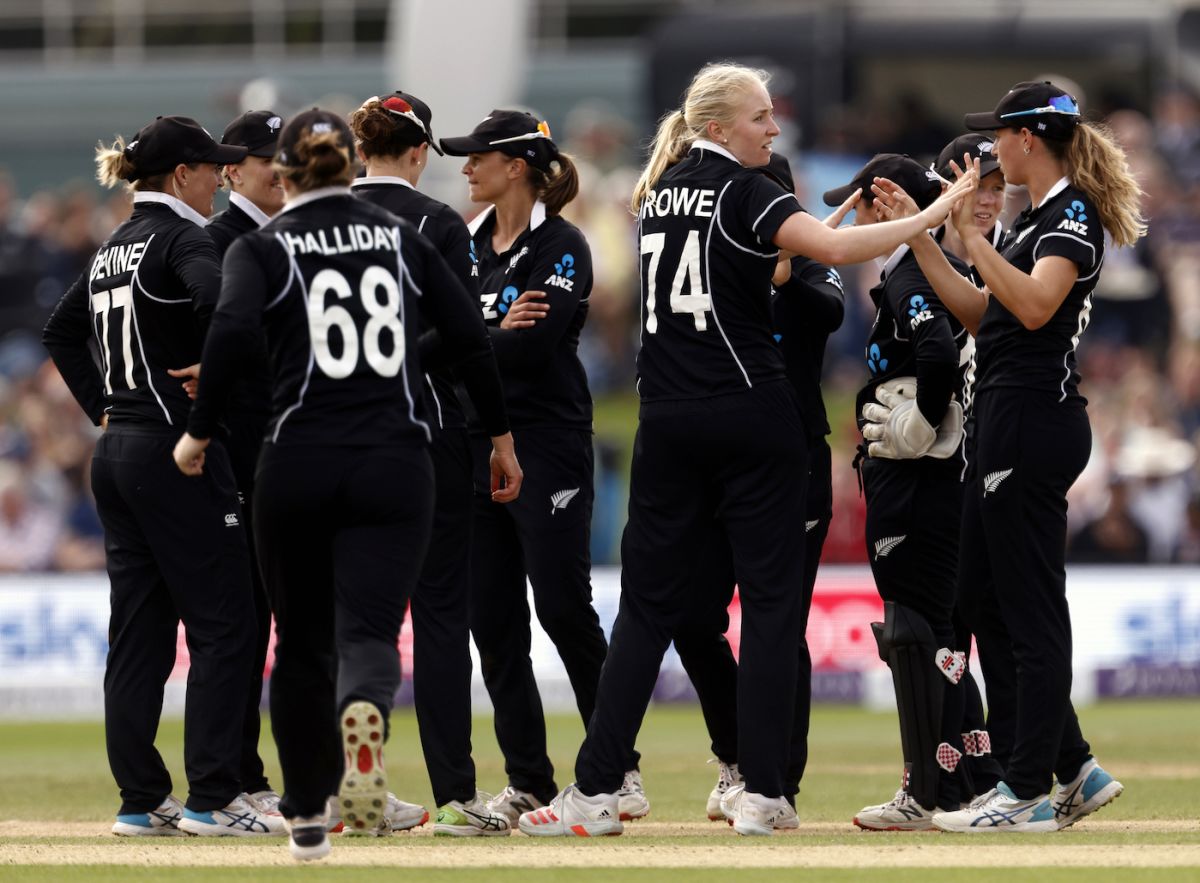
728,775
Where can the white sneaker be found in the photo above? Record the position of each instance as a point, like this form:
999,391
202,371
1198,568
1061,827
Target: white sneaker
901,813
239,819
752,814
511,803
363,794
308,837
572,814
631,799
1000,810
728,775
266,802
470,819
787,820
160,822
1086,793
334,813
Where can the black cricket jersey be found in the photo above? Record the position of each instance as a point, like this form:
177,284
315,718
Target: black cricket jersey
544,381
705,234
808,308
445,228
1067,225
144,303
914,335
968,388
242,216
338,284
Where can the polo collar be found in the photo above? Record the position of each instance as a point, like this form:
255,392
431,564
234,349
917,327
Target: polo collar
256,214
537,216
313,196
381,179
705,144
174,203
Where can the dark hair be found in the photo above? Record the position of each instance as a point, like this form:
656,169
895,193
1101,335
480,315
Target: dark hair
325,162
558,187
381,133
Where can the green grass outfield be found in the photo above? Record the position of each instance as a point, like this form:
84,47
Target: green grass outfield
54,784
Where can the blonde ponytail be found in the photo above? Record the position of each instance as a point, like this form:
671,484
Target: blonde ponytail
1096,165
715,93
113,167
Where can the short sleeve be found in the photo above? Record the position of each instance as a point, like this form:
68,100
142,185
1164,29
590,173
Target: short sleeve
910,297
762,205
1076,235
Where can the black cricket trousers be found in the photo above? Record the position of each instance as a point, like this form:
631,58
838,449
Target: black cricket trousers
706,655
1029,449
744,456
545,535
175,550
441,629
341,534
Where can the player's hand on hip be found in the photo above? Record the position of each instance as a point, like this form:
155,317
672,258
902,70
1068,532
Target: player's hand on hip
506,471
189,454
526,310
192,373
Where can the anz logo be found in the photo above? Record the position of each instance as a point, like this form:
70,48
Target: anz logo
832,278
494,310
474,260
1075,218
918,311
875,360
563,271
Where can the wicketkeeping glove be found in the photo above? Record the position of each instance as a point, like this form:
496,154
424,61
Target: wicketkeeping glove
898,431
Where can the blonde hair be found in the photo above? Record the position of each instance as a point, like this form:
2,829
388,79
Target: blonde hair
555,188
715,93
326,162
1096,164
114,168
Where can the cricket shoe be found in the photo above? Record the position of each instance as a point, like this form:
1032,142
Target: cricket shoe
631,799
788,819
239,819
1086,793
266,802
1000,811
901,813
728,775
470,818
511,803
573,814
334,813
308,837
363,794
160,822
752,814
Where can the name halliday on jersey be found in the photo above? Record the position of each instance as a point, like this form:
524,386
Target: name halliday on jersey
342,240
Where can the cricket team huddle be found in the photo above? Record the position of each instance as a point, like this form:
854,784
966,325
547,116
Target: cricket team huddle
336,399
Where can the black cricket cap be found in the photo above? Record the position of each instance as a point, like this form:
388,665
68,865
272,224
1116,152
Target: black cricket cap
1042,108
414,111
973,143
318,122
512,132
780,171
256,130
920,183
171,140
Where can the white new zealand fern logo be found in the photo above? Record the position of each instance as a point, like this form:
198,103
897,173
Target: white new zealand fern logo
992,480
560,499
884,546
809,525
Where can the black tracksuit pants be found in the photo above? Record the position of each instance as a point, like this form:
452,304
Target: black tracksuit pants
441,631
246,430
743,456
342,534
706,655
543,535
1029,449
175,550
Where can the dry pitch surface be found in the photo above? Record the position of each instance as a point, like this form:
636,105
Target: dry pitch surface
642,846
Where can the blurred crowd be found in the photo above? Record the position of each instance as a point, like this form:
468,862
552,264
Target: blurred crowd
1137,502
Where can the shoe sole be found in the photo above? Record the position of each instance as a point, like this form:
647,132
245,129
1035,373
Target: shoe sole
749,829
201,829
866,827
467,831
1100,799
310,853
1046,827
122,829
362,794
629,817
585,829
